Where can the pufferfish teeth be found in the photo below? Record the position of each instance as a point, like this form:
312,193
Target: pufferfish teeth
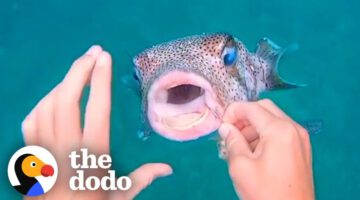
185,121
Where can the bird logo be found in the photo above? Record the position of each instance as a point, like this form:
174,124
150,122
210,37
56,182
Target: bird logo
32,170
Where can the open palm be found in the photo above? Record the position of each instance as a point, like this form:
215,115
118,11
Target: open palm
55,124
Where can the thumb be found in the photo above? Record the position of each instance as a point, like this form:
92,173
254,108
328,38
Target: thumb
141,178
235,142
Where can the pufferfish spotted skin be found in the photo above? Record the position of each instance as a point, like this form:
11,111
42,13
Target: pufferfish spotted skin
186,84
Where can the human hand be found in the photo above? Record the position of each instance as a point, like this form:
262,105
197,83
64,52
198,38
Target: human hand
269,154
55,123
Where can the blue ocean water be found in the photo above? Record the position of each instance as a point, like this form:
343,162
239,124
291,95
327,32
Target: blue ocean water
40,39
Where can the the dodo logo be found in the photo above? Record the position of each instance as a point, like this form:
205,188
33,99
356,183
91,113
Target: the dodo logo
32,170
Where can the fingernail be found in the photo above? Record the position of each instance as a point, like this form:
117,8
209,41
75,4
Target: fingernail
93,50
224,131
103,59
168,173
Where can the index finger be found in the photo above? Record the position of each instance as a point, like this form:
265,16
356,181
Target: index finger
67,110
97,115
252,112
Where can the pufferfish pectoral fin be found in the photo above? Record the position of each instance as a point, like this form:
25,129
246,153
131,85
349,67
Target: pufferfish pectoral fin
312,126
271,53
145,130
132,84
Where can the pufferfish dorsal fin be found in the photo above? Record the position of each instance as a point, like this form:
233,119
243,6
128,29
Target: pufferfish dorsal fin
271,53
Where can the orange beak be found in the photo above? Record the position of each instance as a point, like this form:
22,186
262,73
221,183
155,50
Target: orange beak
47,170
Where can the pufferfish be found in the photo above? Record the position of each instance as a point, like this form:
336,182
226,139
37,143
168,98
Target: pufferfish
186,84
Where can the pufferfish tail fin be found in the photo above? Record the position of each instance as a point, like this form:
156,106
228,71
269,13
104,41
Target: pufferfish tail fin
271,53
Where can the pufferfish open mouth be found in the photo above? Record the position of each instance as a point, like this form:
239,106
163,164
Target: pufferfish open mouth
183,106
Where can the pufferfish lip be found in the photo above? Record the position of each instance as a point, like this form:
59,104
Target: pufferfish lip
186,120
181,106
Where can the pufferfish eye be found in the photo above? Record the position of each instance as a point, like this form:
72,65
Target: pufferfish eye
229,53
33,164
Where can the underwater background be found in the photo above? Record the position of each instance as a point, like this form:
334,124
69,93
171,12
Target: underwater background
40,39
